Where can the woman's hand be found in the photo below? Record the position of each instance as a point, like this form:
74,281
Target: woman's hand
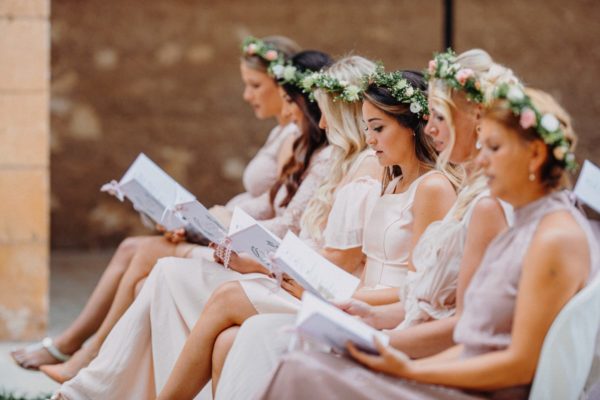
176,236
238,262
291,286
358,308
389,360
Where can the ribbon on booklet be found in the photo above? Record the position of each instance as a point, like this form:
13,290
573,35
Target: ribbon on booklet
223,251
114,189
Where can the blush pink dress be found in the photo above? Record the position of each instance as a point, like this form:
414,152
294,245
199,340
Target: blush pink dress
485,325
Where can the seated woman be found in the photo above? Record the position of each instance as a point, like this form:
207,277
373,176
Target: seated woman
444,258
417,195
125,365
526,276
136,255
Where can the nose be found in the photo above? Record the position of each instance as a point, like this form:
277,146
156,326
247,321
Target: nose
430,129
323,122
482,160
247,95
371,141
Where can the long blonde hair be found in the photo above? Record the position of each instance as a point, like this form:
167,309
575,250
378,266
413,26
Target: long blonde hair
444,99
344,121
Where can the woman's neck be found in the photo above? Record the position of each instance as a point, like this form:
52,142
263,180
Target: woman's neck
283,120
410,172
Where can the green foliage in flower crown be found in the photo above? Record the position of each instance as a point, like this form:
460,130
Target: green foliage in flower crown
339,89
546,125
444,67
401,89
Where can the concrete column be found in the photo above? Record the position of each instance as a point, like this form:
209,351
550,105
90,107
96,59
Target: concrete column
24,167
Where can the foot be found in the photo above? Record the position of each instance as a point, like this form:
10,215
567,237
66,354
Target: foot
67,370
34,356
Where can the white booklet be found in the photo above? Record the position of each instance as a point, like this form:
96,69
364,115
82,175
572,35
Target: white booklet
326,323
152,192
201,220
587,188
313,271
249,236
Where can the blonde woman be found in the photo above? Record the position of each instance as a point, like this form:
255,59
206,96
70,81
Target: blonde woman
447,252
526,276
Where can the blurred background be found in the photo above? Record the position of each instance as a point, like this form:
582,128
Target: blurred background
85,86
163,78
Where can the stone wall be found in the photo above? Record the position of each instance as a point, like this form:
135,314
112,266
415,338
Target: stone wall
162,77
24,167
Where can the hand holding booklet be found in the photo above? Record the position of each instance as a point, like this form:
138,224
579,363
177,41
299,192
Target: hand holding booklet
326,323
312,271
152,192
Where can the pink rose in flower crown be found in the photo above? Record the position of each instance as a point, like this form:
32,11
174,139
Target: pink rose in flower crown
432,66
463,75
251,49
528,118
271,55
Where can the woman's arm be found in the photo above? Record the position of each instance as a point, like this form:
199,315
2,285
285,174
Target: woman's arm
433,199
555,267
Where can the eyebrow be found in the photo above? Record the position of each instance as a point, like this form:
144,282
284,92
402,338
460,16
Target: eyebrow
374,119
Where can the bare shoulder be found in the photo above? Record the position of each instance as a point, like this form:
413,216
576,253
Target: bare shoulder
434,185
369,166
559,247
487,207
559,231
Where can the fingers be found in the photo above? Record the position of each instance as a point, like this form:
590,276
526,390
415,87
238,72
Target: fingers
160,228
362,357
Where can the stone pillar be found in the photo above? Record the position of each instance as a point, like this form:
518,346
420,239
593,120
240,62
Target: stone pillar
24,168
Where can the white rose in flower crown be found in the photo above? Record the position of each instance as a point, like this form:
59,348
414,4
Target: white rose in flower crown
344,83
401,84
409,91
278,71
309,81
549,123
515,94
560,152
415,108
352,93
289,73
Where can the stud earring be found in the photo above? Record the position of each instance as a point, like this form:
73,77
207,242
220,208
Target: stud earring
478,145
531,177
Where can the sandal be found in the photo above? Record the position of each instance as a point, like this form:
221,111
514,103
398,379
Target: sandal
23,356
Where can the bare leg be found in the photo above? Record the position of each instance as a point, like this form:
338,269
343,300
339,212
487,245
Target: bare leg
93,313
228,306
148,252
220,350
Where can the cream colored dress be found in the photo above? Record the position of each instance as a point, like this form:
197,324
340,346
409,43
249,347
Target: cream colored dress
139,353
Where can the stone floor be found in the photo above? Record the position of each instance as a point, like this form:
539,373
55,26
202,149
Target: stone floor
73,276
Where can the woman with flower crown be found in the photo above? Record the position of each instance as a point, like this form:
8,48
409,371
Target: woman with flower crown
136,255
401,212
527,274
446,247
124,366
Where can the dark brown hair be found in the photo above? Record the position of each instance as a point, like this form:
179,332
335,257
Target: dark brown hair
312,137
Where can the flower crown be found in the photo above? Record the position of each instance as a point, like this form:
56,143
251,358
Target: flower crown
339,89
546,125
444,66
252,46
401,89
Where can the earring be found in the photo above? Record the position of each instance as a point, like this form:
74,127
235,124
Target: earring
531,177
478,145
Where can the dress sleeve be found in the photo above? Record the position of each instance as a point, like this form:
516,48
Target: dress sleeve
350,211
288,218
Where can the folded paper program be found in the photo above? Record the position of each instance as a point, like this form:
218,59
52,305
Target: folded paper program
152,192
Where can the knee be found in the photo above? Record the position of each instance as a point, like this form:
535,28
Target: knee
227,294
129,246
